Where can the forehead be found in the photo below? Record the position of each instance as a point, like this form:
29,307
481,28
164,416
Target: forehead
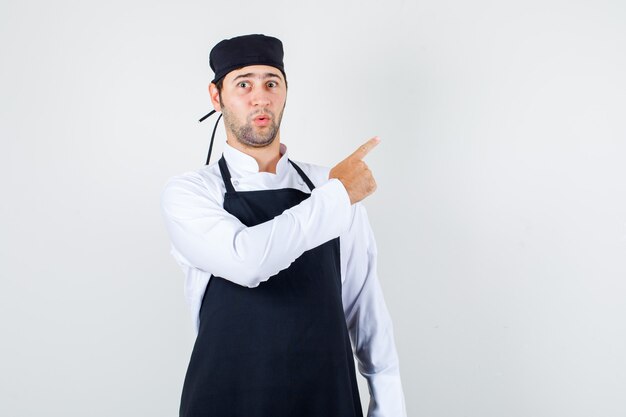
254,71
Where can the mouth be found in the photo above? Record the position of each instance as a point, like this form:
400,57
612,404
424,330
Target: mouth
262,120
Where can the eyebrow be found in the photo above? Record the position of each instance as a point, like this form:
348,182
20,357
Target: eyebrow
253,75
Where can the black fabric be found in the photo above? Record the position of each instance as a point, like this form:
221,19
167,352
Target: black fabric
245,50
280,349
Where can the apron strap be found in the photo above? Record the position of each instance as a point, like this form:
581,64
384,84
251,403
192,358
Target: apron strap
303,175
226,175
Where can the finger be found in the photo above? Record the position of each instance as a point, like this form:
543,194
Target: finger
365,148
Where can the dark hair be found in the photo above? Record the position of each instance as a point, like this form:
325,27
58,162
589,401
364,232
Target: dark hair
219,85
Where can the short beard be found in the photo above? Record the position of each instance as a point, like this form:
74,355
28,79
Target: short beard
245,134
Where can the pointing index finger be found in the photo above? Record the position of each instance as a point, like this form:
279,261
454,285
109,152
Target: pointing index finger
365,148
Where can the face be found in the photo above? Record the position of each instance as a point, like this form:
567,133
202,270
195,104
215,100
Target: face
252,103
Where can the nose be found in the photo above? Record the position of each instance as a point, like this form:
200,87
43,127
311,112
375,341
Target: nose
260,97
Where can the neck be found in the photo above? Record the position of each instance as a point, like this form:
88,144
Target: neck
266,157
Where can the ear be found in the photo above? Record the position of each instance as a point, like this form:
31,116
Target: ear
215,99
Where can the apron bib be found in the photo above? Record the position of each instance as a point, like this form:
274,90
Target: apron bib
278,350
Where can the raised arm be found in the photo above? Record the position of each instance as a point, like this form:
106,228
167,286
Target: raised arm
213,240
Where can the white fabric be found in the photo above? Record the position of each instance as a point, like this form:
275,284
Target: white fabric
206,240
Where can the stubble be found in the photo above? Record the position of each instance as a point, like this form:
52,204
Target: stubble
248,134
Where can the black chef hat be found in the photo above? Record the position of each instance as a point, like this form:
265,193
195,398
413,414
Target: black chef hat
241,51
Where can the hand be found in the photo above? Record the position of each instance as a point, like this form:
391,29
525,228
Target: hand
354,173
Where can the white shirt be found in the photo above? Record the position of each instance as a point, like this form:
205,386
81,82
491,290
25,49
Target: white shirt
206,240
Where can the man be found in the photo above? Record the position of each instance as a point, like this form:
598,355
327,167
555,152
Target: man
280,263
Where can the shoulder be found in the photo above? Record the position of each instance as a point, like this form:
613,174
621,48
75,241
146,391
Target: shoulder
203,182
318,174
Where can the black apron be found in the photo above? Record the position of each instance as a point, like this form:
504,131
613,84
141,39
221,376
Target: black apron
280,349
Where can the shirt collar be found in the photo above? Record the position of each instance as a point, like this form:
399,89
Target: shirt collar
245,164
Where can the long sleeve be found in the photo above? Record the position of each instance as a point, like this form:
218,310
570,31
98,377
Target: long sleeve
214,241
368,320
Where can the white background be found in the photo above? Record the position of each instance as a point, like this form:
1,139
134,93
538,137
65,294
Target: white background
500,214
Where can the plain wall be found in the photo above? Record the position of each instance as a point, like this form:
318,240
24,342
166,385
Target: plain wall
500,214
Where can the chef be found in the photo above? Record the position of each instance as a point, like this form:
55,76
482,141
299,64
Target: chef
279,262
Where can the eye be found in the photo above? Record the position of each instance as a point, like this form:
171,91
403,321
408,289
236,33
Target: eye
243,84
272,84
